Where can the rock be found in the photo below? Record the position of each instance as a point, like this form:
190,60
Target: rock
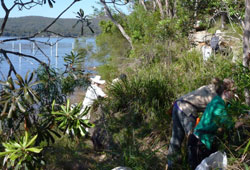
200,37
122,168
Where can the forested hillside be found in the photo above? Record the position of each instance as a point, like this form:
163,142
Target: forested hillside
25,26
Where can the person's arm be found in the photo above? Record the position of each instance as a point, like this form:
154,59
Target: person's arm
99,92
222,116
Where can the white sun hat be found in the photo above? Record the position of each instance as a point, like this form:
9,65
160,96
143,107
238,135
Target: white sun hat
218,32
97,79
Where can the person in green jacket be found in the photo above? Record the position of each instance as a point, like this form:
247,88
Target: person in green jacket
184,114
200,143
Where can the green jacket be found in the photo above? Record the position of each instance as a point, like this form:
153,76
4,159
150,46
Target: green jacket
215,116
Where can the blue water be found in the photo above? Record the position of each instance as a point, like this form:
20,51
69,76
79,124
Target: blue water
23,64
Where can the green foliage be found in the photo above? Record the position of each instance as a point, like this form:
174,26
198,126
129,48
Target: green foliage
108,26
21,97
52,84
74,58
70,120
144,94
241,77
108,71
166,29
191,63
112,49
59,85
21,154
74,72
247,146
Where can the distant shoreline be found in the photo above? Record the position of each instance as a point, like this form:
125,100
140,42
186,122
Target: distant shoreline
29,25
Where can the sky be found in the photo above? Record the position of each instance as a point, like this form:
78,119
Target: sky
59,6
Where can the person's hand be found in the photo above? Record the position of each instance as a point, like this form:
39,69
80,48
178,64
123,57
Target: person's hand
238,124
220,129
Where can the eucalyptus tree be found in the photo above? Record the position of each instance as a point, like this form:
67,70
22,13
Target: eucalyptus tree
246,45
111,17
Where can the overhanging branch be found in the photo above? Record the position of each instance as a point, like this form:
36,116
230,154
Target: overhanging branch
44,29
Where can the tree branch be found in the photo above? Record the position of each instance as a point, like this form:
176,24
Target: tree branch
7,12
116,2
20,6
12,68
123,32
43,30
21,54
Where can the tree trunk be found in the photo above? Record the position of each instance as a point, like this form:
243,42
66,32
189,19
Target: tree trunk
154,5
195,9
160,8
167,8
246,45
223,20
175,9
123,32
143,4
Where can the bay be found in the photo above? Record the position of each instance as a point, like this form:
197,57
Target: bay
54,50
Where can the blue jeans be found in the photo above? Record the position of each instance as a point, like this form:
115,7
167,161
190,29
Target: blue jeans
182,124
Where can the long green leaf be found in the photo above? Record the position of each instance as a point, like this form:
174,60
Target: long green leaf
36,150
20,79
11,110
36,83
31,141
26,77
16,145
31,77
68,105
10,83
53,104
63,108
5,108
33,94
3,83
25,139
20,106
246,148
3,153
246,166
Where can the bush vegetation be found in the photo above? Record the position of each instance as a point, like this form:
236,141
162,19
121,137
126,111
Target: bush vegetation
161,67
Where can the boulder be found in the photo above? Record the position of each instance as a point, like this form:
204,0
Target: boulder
200,37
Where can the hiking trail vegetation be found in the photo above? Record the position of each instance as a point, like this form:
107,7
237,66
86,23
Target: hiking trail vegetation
158,46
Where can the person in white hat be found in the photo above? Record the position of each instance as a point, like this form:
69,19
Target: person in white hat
93,92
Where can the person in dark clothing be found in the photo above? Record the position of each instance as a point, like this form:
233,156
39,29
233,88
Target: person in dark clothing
215,41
